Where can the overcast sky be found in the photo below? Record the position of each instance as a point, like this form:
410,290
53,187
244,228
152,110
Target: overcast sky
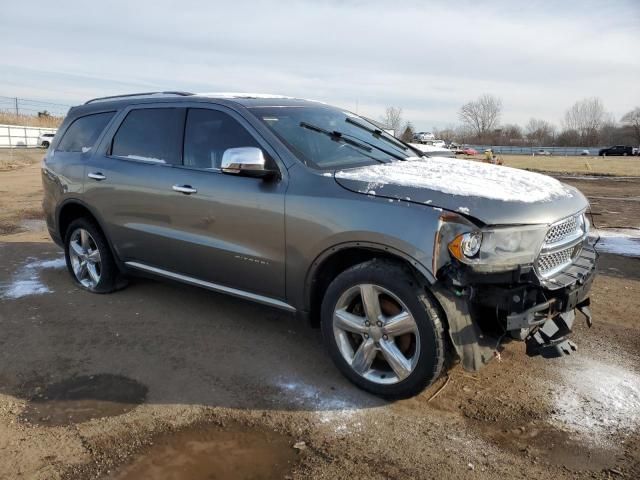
426,57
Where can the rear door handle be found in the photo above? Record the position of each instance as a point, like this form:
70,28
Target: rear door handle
96,176
186,189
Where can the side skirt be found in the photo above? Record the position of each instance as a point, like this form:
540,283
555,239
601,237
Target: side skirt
254,297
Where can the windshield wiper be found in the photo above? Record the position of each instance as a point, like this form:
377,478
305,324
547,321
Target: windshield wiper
335,135
376,132
345,137
383,150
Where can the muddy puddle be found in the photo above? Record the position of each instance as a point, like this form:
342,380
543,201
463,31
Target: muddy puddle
210,453
83,398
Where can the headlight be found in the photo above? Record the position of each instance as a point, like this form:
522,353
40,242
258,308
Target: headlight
498,249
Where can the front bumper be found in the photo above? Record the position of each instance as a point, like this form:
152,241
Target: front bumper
518,305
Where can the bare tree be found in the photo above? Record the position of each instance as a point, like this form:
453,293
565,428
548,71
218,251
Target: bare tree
632,120
481,115
392,118
447,134
539,131
587,118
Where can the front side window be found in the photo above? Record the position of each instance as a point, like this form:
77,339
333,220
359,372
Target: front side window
208,134
83,133
328,138
151,135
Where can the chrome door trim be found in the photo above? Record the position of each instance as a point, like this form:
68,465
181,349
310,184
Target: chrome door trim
213,286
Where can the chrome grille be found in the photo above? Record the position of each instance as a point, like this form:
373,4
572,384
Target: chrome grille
551,262
561,230
561,245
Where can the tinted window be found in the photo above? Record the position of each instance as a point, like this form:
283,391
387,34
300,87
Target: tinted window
83,132
208,134
153,135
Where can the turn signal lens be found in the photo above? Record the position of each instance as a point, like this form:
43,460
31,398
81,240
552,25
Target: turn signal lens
466,245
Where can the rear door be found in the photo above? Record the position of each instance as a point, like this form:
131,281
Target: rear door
185,217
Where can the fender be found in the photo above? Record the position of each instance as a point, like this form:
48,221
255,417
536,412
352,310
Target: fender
324,255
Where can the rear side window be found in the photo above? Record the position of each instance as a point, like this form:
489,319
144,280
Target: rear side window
83,133
208,134
152,135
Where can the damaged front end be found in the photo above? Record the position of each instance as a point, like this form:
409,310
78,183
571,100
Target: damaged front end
517,282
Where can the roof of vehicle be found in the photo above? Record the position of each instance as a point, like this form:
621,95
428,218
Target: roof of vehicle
245,99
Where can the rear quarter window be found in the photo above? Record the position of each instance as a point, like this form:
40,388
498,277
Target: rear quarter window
83,133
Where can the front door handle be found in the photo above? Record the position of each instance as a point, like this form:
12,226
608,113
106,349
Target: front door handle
96,176
186,189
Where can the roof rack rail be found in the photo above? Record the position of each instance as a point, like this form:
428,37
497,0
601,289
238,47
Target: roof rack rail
143,94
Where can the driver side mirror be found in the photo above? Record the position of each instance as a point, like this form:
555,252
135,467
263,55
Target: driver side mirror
246,161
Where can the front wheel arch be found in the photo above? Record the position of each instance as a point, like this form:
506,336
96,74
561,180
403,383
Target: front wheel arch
338,258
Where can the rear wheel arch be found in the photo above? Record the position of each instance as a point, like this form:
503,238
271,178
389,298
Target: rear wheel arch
339,258
73,209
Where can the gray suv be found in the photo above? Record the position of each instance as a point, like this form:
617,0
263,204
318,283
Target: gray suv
407,262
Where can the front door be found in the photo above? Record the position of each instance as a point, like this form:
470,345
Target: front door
178,212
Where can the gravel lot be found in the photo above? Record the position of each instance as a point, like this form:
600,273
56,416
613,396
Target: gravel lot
165,379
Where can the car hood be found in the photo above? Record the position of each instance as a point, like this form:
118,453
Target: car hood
493,194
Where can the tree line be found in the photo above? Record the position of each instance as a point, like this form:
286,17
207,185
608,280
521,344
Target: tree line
586,123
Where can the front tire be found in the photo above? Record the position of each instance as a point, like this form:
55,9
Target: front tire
89,258
382,330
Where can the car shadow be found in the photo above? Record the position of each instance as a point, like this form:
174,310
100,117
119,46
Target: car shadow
179,344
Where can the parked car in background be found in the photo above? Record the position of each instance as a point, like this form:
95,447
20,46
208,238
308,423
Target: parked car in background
585,152
543,152
423,137
469,151
619,150
433,151
45,139
403,261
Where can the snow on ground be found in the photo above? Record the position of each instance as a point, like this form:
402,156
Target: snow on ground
26,281
597,399
339,415
621,241
463,177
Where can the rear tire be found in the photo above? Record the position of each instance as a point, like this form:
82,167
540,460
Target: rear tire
89,258
400,361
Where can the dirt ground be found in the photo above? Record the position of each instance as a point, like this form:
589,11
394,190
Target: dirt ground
162,380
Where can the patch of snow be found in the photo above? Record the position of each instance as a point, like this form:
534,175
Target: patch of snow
241,95
620,241
27,281
371,192
337,414
597,399
145,159
464,178
463,210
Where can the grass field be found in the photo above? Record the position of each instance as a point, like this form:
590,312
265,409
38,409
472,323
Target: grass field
8,118
619,166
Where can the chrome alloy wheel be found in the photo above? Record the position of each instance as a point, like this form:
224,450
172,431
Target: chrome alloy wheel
376,334
85,258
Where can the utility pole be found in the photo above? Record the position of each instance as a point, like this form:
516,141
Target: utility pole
17,109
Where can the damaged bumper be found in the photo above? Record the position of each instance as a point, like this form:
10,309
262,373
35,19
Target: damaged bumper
484,310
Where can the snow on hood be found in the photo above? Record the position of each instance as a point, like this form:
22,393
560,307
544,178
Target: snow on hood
463,178
493,194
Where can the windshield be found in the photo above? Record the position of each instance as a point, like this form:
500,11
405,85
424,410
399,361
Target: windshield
327,138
